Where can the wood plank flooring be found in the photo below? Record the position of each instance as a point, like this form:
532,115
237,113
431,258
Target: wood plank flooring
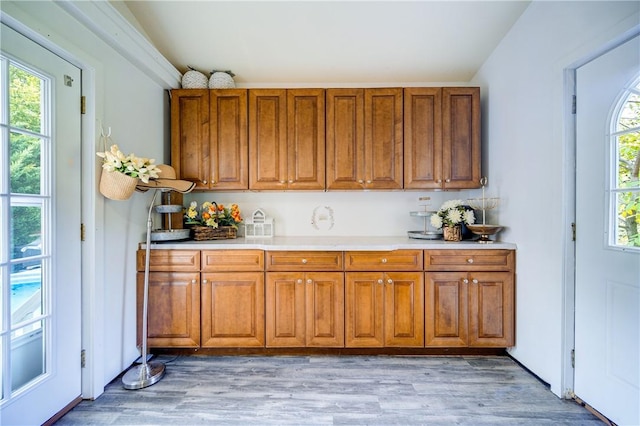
325,390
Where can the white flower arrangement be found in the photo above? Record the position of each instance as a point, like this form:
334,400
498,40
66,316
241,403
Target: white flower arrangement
452,213
137,167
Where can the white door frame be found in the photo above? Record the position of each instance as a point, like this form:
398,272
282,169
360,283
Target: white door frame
91,214
569,120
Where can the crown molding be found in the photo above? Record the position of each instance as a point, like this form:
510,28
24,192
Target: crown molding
108,24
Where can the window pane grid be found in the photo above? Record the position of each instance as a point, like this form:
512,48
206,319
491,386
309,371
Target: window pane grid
624,192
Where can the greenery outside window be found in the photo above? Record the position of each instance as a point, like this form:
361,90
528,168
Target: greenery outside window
624,194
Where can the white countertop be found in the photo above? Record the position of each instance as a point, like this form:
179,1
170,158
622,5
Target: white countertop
328,244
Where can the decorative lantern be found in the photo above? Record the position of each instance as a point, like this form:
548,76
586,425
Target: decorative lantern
258,226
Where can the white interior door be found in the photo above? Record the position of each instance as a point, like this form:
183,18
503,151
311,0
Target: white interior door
607,319
39,257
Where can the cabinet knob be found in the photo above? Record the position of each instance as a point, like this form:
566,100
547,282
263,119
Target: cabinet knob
438,180
309,281
194,281
304,261
205,182
466,281
389,281
474,281
213,182
283,181
447,180
380,281
299,281
290,180
469,260
384,260
368,181
360,181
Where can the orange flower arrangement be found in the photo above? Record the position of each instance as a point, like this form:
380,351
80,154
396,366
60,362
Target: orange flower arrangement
212,214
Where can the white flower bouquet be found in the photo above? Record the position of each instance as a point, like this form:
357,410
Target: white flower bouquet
452,213
137,167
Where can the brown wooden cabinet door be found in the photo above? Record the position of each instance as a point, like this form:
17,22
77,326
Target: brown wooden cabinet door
324,306
404,309
461,137
345,138
268,139
229,147
173,309
423,138
285,309
305,139
190,148
383,140
305,309
491,309
233,309
446,309
364,309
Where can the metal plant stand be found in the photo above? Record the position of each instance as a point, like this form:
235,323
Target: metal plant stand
148,372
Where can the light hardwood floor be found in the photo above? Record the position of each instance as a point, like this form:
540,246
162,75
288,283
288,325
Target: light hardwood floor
310,390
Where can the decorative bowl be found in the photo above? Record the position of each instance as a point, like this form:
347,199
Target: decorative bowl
484,231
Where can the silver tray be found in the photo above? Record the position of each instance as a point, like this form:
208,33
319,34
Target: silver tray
170,234
425,235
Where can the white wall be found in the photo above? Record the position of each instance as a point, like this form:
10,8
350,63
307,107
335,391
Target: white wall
525,148
134,104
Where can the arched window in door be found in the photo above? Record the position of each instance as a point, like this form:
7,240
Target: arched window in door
624,194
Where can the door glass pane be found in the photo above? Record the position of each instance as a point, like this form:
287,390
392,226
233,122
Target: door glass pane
627,231
25,206
628,160
26,231
26,294
25,153
625,166
25,90
27,354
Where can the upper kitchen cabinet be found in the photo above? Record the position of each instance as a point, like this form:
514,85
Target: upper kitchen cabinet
442,138
364,138
287,139
209,137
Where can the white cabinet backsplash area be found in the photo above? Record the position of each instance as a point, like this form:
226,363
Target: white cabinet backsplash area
373,213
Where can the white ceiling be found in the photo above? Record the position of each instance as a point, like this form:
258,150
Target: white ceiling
331,42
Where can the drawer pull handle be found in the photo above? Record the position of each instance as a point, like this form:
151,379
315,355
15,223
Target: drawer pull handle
304,261
475,281
466,281
469,260
384,260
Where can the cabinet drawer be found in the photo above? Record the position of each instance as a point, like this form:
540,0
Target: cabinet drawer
469,260
304,261
396,260
169,260
232,260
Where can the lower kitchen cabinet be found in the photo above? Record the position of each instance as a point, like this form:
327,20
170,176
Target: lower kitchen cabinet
232,309
469,298
173,309
442,298
384,309
305,309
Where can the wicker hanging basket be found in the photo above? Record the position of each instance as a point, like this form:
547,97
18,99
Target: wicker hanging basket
116,185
